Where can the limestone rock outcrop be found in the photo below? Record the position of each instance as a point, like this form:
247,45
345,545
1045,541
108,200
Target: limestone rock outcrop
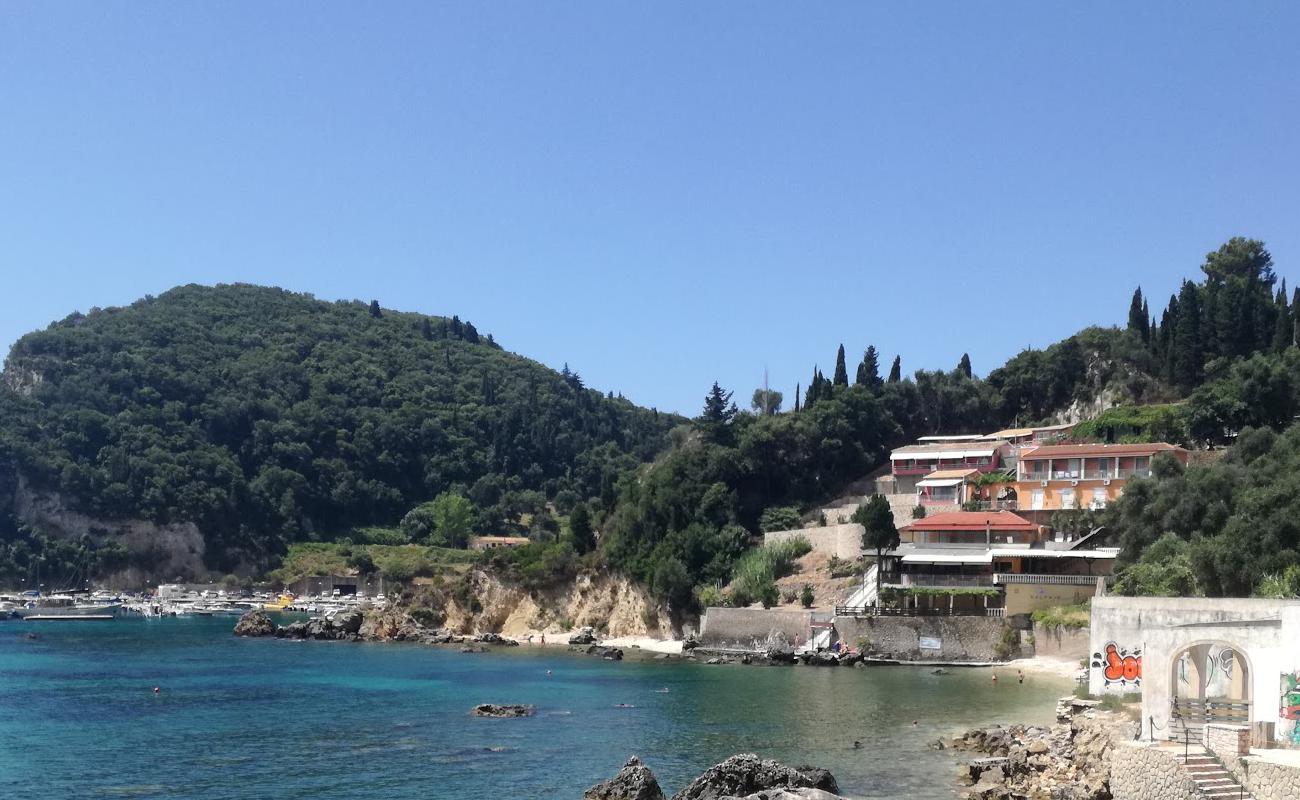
634,781
255,623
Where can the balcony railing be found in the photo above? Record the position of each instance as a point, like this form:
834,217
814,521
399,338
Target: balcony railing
925,579
996,505
1002,578
879,611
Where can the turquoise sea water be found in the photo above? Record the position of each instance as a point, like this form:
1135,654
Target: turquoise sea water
263,718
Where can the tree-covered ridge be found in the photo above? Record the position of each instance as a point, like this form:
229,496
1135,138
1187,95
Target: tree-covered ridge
267,416
1221,358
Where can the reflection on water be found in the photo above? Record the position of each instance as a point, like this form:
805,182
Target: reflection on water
268,718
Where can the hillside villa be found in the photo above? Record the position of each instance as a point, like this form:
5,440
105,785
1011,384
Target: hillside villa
908,464
1075,476
987,563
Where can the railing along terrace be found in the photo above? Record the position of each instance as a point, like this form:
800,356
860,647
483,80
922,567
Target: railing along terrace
922,579
879,611
1000,578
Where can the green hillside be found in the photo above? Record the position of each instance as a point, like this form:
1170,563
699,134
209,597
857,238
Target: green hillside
268,417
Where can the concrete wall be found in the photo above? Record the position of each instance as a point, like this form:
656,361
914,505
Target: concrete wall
1266,778
972,639
1061,643
1141,772
1154,631
753,629
1024,598
844,541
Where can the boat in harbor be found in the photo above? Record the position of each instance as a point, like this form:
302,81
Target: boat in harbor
65,607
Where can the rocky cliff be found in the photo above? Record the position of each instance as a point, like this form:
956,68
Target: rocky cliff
610,603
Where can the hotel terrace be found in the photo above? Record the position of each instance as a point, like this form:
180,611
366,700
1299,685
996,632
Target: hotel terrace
987,563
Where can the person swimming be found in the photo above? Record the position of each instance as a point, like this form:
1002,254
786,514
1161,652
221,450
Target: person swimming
857,744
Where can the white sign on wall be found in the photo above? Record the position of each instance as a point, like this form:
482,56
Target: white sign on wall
931,643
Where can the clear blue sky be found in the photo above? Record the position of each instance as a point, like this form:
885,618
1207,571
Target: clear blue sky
659,194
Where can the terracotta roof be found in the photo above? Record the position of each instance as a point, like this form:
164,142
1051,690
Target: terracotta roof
1085,450
972,521
945,474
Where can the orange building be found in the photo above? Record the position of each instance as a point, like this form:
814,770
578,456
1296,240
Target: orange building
1074,476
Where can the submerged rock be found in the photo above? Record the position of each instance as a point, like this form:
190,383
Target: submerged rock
634,781
502,710
255,623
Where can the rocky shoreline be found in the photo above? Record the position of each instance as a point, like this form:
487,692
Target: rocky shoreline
742,777
1066,761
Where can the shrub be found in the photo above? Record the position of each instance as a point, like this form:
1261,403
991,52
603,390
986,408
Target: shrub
769,595
779,518
918,512
710,596
1008,644
789,595
1070,618
762,566
806,596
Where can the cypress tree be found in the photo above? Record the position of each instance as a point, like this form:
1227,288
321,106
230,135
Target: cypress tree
1188,346
1283,327
426,328
1295,316
1137,318
375,310
797,406
963,366
896,371
1148,321
841,369
869,369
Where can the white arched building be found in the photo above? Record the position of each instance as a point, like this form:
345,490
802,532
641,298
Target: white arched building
1201,660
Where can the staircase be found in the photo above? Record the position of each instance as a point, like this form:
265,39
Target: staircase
1210,777
865,595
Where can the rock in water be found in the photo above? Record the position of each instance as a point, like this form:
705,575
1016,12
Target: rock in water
348,622
634,782
747,774
506,710
585,636
255,623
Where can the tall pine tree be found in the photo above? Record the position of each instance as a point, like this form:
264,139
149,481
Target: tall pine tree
896,371
963,366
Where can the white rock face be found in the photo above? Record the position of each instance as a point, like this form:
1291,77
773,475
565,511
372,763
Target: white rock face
176,549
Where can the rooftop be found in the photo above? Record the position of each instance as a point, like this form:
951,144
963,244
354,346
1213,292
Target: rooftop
972,521
949,450
1011,433
1087,450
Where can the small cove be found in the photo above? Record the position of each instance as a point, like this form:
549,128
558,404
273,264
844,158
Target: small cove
277,719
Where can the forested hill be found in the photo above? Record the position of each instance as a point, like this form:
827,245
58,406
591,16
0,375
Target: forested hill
266,416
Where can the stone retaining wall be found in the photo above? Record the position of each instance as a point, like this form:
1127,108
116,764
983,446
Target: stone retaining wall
1268,780
958,638
1060,643
844,541
1140,771
752,629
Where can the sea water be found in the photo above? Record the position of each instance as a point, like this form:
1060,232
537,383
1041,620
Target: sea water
268,718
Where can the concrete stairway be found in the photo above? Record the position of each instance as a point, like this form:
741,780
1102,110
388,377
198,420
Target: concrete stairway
866,594
1210,777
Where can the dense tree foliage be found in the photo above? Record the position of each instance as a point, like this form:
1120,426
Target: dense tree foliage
267,416
1221,529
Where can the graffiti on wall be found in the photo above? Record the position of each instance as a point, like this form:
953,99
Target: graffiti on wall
1120,667
1289,728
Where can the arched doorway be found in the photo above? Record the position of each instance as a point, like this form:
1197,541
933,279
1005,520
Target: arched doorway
1211,683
